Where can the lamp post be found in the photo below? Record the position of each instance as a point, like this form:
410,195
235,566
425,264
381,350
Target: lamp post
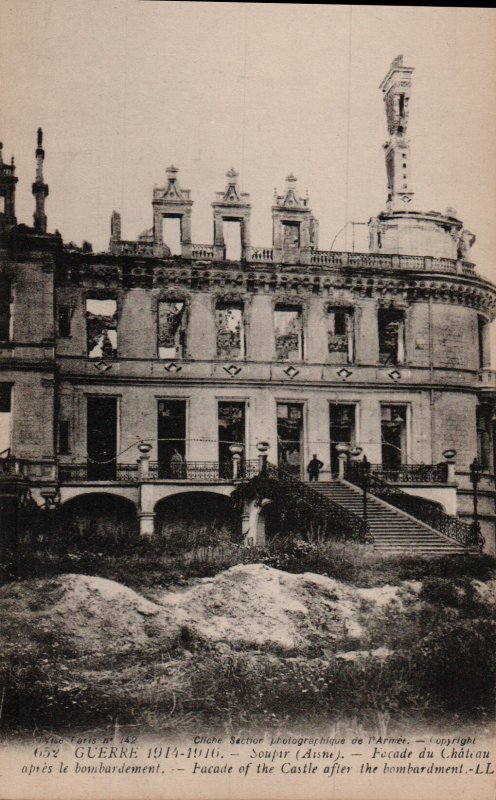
365,470
475,476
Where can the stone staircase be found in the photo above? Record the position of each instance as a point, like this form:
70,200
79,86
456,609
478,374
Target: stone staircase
393,530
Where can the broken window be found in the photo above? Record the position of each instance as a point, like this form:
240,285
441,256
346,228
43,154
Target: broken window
171,427
232,239
290,234
172,235
288,333
393,436
231,426
170,329
290,437
64,320
230,333
5,309
5,419
391,336
101,328
342,430
340,331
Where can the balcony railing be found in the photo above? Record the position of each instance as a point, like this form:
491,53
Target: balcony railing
204,252
412,473
192,471
324,258
200,471
80,473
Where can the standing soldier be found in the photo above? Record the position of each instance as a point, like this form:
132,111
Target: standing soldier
314,467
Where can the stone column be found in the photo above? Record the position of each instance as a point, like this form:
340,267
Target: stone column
186,247
253,523
218,237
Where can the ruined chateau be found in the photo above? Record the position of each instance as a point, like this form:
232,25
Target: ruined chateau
132,376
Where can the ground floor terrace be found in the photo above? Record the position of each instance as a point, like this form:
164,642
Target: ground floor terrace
139,497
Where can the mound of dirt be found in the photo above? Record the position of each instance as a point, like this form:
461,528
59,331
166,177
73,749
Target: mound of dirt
76,615
248,607
257,607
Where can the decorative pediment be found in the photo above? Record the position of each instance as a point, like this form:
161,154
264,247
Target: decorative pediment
232,195
172,192
291,197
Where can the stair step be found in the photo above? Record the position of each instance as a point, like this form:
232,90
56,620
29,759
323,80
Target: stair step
392,529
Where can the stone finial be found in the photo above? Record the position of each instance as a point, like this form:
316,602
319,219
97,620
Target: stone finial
232,175
171,172
40,137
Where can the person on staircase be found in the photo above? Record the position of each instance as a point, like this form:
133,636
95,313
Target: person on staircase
314,467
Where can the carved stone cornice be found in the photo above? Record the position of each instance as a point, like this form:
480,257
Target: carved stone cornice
386,287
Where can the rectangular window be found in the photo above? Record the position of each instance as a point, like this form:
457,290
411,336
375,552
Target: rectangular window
171,429
391,323
64,429
288,323
483,341
290,437
101,438
5,309
231,425
232,239
484,437
342,430
64,320
340,332
5,417
290,235
101,327
230,333
393,436
171,332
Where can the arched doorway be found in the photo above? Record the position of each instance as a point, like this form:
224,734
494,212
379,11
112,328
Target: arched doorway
192,519
97,520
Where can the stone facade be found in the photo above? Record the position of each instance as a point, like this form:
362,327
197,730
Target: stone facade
290,345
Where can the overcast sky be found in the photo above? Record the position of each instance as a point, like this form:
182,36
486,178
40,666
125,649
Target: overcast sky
122,89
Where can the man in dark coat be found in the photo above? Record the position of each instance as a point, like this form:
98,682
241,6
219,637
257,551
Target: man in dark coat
314,467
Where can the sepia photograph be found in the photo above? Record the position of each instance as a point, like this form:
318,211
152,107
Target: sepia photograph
247,401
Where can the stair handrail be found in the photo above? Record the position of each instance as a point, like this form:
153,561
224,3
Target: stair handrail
427,511
358,529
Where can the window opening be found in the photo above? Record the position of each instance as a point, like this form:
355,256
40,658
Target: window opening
171,428
230,333
484,437
231,428
288,333
393,436
64,448
391,336
5,415
290,437
64,320
290,235
101,438
340,332
5,309
232,239
171,332
101,328
171,228
342,430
